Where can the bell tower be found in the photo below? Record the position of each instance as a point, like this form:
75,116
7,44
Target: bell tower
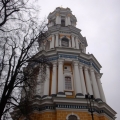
74,78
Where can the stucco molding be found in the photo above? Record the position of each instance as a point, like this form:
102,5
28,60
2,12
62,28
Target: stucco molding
67,118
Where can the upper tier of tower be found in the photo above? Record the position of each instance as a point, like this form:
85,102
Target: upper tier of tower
62,32
61,16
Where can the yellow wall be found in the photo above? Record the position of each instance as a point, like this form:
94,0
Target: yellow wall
61,115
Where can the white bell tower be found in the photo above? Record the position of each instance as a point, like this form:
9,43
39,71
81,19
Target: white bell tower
73,74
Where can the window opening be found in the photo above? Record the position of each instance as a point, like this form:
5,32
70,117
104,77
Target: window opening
62,21
68,83
65,67
65,42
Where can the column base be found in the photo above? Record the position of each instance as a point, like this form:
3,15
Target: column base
98,100
53,95
61,94
79,95
46,97
37,96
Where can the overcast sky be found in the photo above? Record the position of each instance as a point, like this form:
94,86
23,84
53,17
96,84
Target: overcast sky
99,21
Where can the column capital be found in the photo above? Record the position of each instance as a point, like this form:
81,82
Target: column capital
48,66
91,69
76,63
54,63
76,37
86,68
72,35
80,66
99,75
57,34
52,35
60,61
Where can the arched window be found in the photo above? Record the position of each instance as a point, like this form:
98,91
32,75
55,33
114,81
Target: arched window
68,83
72,117
65,42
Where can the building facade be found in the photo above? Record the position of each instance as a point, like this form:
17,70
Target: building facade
74,73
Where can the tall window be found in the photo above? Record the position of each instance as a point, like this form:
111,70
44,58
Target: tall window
72,117
65,42
68,83
62,21
47,46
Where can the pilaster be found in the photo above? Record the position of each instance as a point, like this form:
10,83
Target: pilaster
54,79
78,85
102,95
60,79
46,83
82,79
76,43
88,82
73,42
94,82
56,43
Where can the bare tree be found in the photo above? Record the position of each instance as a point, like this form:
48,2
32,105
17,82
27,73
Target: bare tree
12,11
16,53
20,32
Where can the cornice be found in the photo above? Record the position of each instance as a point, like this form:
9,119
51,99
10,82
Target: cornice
70,53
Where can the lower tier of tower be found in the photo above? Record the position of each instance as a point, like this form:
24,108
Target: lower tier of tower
66,115
62,108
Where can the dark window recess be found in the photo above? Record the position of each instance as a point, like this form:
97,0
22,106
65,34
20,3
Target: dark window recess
63,23
72,117
65,67
65,42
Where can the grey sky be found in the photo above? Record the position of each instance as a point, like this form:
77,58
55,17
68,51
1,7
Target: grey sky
99,21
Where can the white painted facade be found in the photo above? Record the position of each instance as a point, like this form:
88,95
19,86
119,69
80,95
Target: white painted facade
74,72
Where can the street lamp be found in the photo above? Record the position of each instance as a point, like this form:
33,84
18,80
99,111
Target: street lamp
90,104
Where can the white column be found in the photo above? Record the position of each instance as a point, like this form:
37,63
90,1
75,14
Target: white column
57,19
69,43
60,77
40,82
94,82
60,42
56,43
60,20
78,85
52,42
84,49
76,43
102,95
46,83
88,82
73,42
54,77
82,80
68,19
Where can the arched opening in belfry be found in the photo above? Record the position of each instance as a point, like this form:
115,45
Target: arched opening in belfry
65,42
63,22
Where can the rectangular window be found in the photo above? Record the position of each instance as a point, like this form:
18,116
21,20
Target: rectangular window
68,83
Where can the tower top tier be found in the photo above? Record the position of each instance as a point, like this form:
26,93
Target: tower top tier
61,16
